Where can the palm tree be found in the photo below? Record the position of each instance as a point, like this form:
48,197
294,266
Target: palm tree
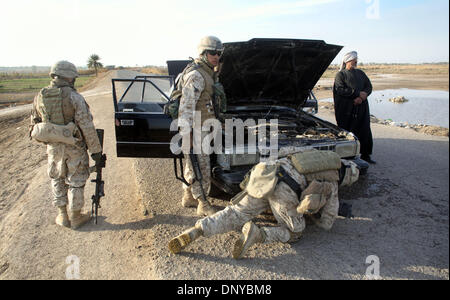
93,62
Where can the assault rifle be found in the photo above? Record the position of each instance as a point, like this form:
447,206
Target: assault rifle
99,183
197,172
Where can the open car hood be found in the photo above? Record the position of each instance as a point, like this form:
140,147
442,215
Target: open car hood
270,72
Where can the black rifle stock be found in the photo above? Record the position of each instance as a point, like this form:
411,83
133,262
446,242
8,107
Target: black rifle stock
99,183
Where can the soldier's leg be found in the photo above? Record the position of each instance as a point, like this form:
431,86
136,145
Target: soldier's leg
77,174
330,211
230,219
188,200
279,234
59,189
233,217
204,208
56,170
283,203
252,234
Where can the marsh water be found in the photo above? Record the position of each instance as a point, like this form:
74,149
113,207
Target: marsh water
424,106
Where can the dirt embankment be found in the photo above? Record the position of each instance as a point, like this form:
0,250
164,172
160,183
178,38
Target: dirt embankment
19,158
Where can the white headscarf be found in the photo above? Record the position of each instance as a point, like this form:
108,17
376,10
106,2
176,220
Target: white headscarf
348,57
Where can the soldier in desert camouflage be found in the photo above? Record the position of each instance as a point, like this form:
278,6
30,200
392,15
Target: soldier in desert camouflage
68,164
291,196
196,84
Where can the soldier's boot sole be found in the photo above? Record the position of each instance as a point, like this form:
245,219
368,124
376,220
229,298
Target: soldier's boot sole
80,221
180,242
251,234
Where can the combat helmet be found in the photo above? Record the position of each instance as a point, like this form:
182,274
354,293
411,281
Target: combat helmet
209,43
64,69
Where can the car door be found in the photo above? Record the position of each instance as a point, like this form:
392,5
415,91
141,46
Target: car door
141,126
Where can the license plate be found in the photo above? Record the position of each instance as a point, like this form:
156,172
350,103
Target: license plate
127,122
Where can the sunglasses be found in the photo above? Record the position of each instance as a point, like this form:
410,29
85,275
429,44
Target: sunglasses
213,53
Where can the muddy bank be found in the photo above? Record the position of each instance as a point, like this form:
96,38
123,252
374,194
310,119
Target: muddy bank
421,128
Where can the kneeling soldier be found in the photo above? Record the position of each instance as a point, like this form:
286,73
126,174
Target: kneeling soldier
61,119
311,177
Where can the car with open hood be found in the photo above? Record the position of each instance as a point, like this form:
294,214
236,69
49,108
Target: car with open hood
263,80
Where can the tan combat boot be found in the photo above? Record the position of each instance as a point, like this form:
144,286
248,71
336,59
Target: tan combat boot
205,209
78,219
180,242
188,200
62,219
251,234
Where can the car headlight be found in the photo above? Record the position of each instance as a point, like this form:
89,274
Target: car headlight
348,149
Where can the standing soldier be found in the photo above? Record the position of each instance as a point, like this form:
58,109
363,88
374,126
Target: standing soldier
59,106
196,86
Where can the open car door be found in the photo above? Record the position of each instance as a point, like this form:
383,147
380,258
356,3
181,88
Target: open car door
141,126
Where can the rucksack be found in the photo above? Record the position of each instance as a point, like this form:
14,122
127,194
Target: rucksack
219,99
171,107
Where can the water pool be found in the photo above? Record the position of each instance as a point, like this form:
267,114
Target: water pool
427,107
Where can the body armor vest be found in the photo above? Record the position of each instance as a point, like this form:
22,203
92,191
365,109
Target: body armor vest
54,105
204,103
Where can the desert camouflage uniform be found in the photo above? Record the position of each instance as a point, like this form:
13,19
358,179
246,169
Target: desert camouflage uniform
205,168
68,166
283,203
197,92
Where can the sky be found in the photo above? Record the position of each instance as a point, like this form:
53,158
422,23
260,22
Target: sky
148,32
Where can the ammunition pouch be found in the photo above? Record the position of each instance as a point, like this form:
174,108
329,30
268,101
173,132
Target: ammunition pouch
52,133
330,176
315,161
220,99
171,107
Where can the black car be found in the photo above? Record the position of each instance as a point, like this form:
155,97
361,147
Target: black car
263,79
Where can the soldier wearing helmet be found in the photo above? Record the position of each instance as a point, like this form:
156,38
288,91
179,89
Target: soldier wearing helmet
60,104
196,84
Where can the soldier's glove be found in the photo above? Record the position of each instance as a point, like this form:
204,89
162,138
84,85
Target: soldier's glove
97,157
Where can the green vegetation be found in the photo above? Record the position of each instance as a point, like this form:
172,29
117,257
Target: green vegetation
8,84
93,63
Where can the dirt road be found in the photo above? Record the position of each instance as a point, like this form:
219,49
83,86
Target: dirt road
33,247
400,207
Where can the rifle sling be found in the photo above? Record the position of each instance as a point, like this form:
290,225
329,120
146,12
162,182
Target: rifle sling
286,178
